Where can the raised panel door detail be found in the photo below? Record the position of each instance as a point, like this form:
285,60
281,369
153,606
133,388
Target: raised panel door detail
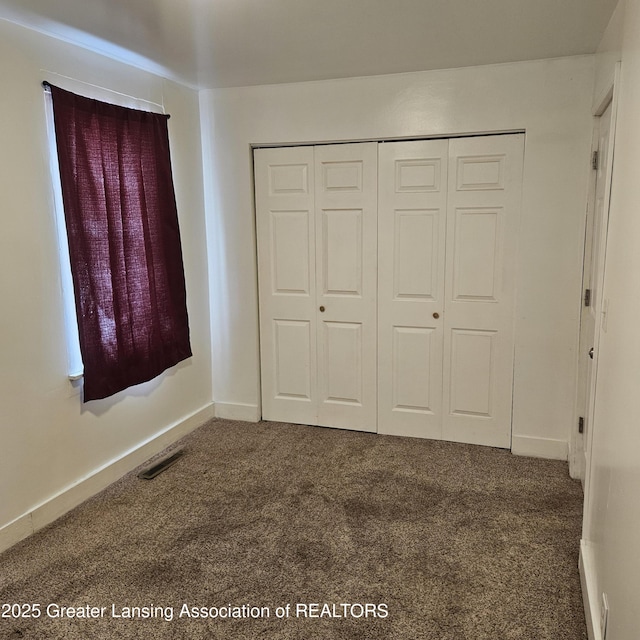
416,239
343,362
285,234
290,252
481,173
417,175
292,340
412,188
478,252
472,362
483,210
411,369
342,176
288,179
342,252
346,274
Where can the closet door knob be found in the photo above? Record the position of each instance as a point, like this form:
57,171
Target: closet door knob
436,315
321,309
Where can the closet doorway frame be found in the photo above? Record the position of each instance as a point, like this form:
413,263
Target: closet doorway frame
379,140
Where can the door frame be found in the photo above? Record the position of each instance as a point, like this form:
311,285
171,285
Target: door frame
580,446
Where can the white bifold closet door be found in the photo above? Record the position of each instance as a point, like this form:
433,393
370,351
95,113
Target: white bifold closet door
448,223
387,285
412,224
317,253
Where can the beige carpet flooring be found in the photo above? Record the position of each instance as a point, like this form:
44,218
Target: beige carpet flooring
400,538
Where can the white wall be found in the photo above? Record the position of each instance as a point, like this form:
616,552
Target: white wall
550,99
48,440
611,538
608,54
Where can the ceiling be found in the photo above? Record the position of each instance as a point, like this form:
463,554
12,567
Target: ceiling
226,43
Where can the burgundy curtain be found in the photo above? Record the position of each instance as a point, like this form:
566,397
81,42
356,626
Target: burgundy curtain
124,241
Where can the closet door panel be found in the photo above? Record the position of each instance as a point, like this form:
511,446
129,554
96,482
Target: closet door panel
285,222
483,212
411,256
346,274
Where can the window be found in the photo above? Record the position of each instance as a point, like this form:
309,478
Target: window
124,241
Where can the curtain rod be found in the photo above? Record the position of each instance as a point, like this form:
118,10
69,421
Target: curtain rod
47,87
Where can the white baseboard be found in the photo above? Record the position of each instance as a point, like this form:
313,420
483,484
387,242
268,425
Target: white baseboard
15,531
238,411
589,591
100,479
539,447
